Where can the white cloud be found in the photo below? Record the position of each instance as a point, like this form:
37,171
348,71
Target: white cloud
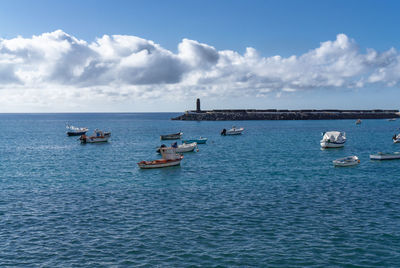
57,67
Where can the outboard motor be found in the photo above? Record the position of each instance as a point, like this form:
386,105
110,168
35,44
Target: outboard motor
223,132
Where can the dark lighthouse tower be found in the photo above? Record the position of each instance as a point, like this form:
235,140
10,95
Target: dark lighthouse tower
198,110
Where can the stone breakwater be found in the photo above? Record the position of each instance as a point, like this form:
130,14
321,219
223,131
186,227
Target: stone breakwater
223,115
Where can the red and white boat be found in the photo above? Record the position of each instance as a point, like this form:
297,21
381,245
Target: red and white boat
98,136
169,158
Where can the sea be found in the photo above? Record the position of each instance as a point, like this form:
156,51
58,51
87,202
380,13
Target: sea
267,198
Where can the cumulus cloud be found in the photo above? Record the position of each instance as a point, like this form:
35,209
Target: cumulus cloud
57,65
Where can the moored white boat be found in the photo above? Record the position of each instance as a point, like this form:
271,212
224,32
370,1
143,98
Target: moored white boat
333,139
233,131
385,156
169,158
396,138
174,136
181,148
76,131
346,161
391,119
97,137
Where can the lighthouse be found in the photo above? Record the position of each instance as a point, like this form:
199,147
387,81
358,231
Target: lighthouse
198,110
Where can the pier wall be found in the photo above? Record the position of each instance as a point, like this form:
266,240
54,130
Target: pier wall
272,114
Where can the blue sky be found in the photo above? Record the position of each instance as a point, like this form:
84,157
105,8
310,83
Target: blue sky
270,28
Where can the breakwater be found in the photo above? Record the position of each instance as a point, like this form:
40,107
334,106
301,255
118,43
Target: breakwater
272,114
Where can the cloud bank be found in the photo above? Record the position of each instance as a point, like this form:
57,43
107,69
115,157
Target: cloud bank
59,67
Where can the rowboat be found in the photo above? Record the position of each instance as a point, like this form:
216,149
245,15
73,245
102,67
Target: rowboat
333,139
232,131
396,138
346,161
97,137
385,156
198,141
181,148
169,158
174,136
76,131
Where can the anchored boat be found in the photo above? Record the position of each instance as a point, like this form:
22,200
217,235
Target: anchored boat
174,136
346,161
333,139
385,156
98,136
76,131
232,131
396,138
169,158
181,148
198,141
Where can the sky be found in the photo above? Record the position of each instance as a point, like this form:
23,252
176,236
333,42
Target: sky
159,56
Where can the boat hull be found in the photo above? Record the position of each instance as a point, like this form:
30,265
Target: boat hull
325,144
396,141
384,156
71,133
176,136
198,141
159,164
95,140
346,162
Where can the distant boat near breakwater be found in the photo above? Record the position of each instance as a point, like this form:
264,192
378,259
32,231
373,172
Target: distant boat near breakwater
274,114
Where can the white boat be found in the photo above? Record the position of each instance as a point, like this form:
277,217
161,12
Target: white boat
98,136
233,131
346,161
391,119
396,138
169,158
385,156
333,139
358,122
174,136
181,148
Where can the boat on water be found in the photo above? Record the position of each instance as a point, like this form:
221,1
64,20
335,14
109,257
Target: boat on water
385,156
396,138
233,131
169,158
97,137
333,139
346,161
200,140
391,119
174,136
358,122
76,131
181,148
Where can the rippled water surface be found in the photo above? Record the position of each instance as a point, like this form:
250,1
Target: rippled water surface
270,197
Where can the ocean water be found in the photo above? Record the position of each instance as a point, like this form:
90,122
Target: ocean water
268,198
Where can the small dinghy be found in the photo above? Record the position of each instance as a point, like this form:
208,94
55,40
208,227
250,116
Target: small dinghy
232,131
346,161
76,131
385,156
333,139
198,141
169,158
181,148
396,138
98,136
174,136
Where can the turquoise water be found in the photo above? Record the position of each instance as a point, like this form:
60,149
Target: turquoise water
270,197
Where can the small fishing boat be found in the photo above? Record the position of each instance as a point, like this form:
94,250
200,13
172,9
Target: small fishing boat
333,139
396,138
385,156
76,131
169,158
98,136
181,148
232,131
391,119
200,140
174,136
358,122
346,161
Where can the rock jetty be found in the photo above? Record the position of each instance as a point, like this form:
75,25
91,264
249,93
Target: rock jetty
273,114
